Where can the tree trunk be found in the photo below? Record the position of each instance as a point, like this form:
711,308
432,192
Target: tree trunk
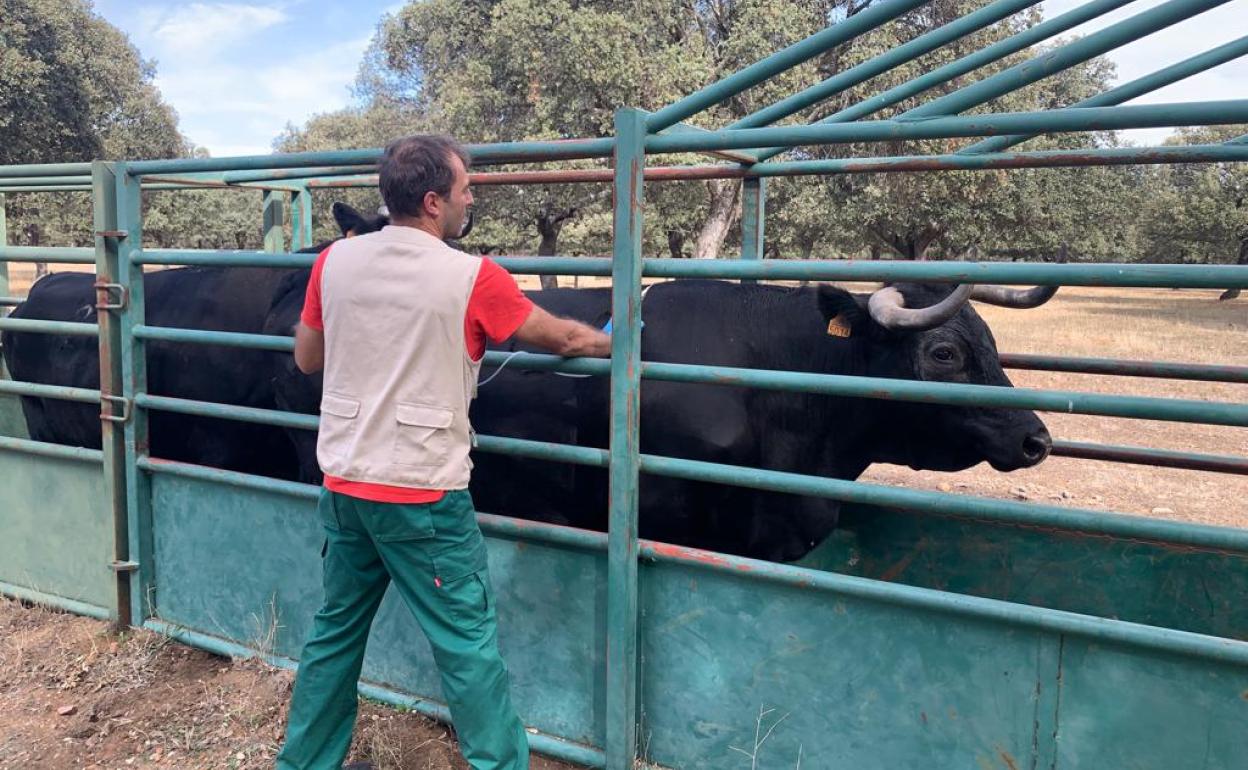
675,244
1242,260
549,225
725,209
36,239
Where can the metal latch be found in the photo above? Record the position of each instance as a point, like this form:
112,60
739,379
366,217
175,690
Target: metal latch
102,289
123,566
121,401
112,233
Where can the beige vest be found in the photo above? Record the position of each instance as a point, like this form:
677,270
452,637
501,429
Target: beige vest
398,378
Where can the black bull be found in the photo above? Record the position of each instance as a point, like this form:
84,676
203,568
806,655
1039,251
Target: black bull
728,324
697,322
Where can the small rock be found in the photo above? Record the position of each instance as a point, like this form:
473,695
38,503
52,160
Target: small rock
945,486
1020,492
1162,511
1067,496
240,756
67,710
82,731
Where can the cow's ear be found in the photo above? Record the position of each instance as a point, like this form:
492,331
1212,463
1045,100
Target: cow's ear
348,219
845,314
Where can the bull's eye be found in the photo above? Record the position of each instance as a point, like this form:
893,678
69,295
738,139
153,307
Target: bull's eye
944,354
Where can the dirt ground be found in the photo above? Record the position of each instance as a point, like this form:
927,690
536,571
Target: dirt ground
73,695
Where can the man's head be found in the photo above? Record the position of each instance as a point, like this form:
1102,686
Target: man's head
424,182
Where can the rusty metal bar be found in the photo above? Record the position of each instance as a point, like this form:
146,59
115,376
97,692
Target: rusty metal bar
1117,156
1170,370
1160,458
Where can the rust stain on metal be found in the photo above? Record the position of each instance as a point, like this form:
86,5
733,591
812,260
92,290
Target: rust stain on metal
695,555
890,574
1007,759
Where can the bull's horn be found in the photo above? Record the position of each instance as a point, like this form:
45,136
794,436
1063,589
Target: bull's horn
1022,299
888,308
467,228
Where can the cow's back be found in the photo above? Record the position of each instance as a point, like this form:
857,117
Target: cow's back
217,299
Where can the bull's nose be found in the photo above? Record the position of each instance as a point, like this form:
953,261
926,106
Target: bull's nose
1037,446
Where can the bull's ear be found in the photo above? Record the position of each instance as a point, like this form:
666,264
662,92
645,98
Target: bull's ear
348,219
845,314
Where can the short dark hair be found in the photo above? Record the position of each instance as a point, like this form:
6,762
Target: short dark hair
415,165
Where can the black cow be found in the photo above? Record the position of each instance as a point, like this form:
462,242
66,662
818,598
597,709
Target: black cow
908,331
231,299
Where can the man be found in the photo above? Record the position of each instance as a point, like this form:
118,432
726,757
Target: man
398,320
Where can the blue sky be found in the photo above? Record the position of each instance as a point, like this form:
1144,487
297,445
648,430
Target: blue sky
237,72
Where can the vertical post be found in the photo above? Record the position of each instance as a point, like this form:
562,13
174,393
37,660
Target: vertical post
300,219
108,248
753,218
621,693
4,240
141,564
274,220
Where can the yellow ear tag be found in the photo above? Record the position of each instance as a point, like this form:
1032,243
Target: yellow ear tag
838,327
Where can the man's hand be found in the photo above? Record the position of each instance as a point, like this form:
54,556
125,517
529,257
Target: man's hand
563,336
309,349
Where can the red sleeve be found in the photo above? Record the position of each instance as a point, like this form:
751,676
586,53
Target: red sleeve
496,308
311,315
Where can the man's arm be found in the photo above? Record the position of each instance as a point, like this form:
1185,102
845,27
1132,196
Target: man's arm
309,349
563,336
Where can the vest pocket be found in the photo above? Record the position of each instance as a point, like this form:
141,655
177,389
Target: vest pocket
338,422
423,437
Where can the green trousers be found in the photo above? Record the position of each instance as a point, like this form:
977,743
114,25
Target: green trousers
435,555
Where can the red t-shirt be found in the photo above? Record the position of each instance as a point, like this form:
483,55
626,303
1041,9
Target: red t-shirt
496,309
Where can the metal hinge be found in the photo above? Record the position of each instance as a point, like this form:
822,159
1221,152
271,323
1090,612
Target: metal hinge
121,401
123,566
112,233
102,289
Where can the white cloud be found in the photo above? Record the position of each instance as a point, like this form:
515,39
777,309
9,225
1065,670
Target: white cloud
200,29
226,103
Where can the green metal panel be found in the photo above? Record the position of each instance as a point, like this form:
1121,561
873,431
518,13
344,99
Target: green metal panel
630,161
1155,583
1132,710
234,560
274,228
866,679
57,527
